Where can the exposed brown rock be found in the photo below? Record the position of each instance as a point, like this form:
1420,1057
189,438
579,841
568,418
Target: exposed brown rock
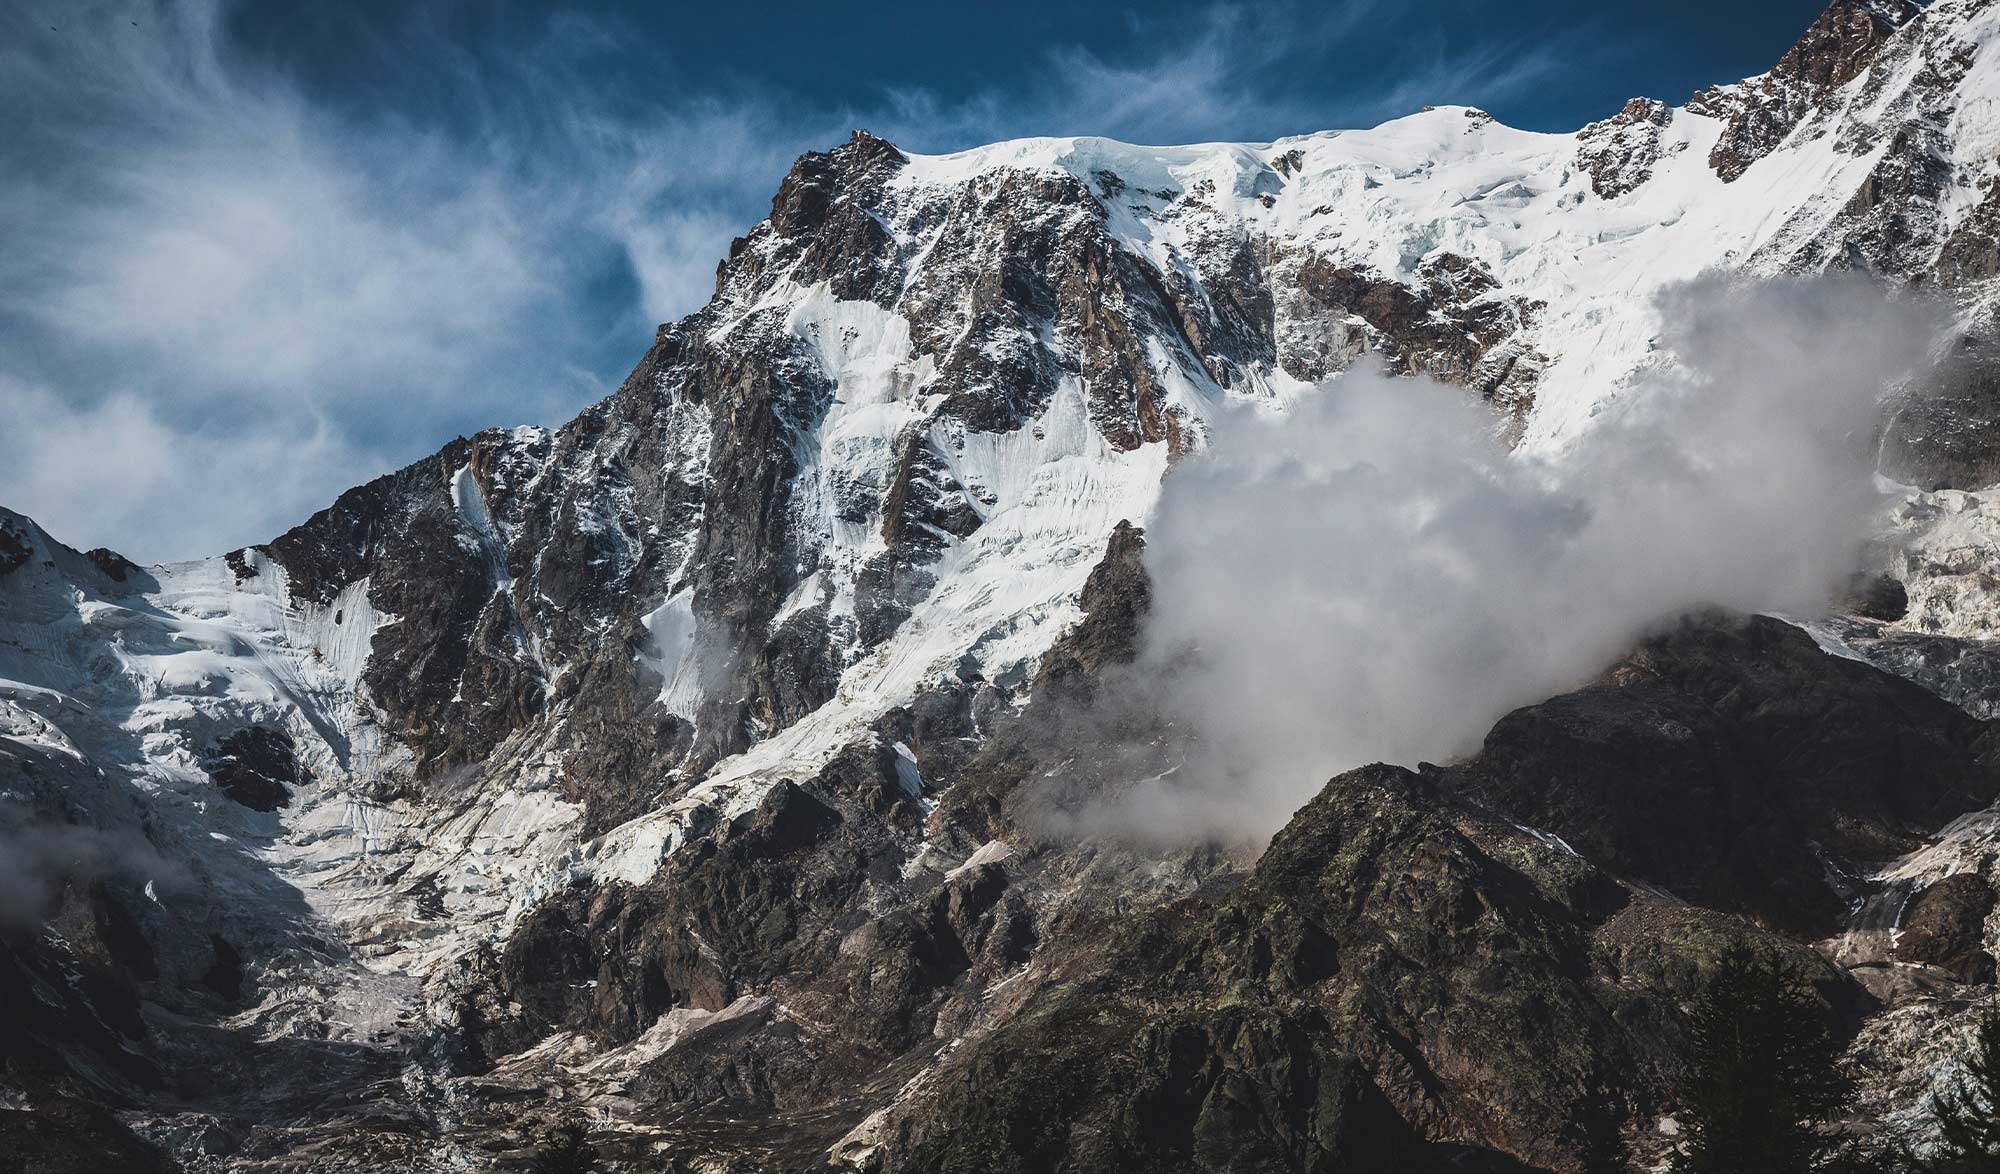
1875,597
15,550
116,567
1945,926
1834,51
1726,759
256,766
1454,326
1619,152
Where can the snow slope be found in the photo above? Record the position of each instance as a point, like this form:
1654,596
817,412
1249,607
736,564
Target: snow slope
1173,282
210,650
1388,202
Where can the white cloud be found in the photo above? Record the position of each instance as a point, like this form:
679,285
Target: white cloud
202,260
193,244
115,466
1374,577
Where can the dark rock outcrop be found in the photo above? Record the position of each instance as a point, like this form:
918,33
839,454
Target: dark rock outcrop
773,899
1945,926
1619,152
15,546
916,946
1115,601
1442,327
1733,763
74,1136
1944,429
1876,596
256,766
1963,671
1834,51
1363,995
116,567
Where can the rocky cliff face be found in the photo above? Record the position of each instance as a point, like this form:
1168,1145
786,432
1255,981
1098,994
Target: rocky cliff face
691,764
1759,114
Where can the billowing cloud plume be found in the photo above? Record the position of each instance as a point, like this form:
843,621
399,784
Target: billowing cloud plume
1373,575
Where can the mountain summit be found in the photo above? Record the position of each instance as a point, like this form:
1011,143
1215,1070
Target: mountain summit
671,766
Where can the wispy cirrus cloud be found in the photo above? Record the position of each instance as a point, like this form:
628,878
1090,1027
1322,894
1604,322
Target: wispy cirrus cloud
1228,74
256,295
234,286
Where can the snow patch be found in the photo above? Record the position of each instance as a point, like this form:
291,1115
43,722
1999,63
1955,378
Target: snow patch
675,654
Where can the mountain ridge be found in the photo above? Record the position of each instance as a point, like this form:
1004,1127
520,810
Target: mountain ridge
697,731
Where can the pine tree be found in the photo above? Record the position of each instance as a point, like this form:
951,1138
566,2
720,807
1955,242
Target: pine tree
1764,1075
1594,1130
1968,1118
566,1149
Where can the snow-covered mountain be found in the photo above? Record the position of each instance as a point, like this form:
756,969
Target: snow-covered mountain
659,763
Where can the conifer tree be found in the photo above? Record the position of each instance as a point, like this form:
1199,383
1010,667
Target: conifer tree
566,1149
1968,1117
1764,1075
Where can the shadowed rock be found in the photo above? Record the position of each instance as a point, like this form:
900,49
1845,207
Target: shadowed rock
1945,925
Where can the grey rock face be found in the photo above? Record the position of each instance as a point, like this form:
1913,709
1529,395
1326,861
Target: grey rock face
1945,925
1619,152
256,767
639,765
1842,43
1708,763
1942,433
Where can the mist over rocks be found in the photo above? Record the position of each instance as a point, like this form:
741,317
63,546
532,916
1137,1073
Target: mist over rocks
931,715
1373,575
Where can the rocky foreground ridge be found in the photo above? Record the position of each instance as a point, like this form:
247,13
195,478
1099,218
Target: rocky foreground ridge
688,767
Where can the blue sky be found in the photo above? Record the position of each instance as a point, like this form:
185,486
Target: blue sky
253,254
